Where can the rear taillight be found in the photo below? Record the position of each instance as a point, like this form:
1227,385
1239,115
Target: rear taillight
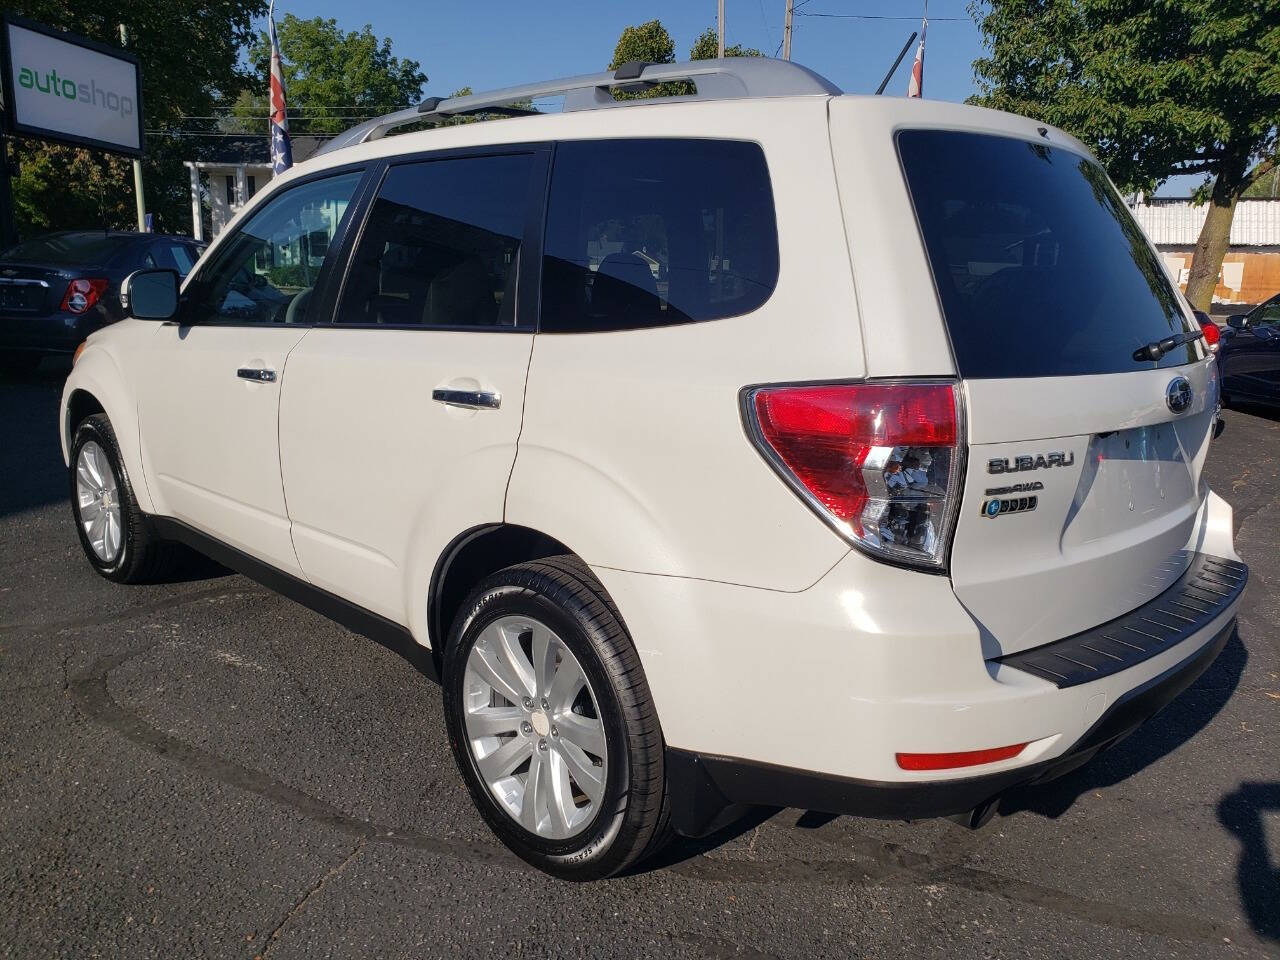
1212,335
880,462
83,293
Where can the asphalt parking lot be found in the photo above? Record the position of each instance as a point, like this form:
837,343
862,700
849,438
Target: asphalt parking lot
203,768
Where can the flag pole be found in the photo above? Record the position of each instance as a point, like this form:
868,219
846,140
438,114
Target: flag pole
915,86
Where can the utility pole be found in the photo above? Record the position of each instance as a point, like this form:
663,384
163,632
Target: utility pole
786,30
137,164
720,29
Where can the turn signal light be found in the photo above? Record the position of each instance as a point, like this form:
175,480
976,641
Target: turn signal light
880,462
82,294
950,761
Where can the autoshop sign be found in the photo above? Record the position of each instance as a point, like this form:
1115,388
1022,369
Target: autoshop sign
58,86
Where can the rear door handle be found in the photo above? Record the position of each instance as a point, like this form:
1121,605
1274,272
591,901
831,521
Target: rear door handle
256,374
471,399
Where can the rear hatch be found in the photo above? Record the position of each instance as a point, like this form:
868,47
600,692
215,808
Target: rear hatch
1083,478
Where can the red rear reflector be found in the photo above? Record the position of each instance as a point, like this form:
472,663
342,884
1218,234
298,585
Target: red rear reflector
950,761
878,461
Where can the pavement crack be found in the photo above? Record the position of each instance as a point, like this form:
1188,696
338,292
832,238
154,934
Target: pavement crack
274,936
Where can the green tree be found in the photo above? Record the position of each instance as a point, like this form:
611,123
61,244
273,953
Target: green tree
1156,88
189,58
333,78
650,43
708,45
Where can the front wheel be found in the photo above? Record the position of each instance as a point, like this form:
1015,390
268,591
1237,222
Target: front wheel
552,723
117,537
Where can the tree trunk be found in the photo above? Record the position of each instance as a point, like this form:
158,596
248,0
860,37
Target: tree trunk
1211,246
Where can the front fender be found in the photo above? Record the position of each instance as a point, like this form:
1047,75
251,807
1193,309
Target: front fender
97,373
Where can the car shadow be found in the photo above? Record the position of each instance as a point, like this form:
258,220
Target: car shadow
1257,875
1190,713
1262,411
30,450
681,849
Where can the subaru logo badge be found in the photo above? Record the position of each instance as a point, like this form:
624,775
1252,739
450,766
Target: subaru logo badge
992,508
1178,394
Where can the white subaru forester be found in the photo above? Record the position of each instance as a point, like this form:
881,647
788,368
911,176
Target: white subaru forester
759,446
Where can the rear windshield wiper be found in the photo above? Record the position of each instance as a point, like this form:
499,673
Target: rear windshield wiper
1158,348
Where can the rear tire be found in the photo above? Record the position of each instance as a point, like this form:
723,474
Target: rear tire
603,805
119,540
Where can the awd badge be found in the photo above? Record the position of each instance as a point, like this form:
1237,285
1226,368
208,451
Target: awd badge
997,507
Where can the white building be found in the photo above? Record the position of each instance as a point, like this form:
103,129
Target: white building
1251,269
225,181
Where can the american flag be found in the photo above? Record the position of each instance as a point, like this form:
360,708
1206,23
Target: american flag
915,86
281,152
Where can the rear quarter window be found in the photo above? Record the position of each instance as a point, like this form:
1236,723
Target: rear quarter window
647,233
1040,269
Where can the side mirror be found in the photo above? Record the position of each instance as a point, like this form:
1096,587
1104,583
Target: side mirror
150,294
1238,321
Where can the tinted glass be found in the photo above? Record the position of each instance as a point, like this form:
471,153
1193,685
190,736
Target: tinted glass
266,272
171,256
441,245
644,233
1040,269
1267,314
92,248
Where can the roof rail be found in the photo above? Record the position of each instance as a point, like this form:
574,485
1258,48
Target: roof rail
728,78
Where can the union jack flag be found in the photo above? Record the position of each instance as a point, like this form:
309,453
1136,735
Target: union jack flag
281,152
915,86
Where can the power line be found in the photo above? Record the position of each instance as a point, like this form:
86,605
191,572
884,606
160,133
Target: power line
871,16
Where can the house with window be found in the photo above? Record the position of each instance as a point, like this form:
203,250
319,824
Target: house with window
229,175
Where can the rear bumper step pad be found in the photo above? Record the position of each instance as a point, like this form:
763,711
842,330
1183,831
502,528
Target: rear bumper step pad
1197,598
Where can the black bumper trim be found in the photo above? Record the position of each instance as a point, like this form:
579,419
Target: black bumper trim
707,789
1194,600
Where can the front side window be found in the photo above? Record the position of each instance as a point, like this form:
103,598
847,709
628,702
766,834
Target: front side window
441,245
266,272
1040,268
645,233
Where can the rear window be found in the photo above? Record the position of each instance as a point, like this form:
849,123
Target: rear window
1040,269
81,249
645,233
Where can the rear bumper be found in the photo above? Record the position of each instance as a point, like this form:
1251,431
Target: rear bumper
824,686
55,333
705,787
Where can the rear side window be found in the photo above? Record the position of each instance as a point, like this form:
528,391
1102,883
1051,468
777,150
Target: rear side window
441,246
1040,269
645,233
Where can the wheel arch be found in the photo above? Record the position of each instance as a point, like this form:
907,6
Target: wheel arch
96,385
469,558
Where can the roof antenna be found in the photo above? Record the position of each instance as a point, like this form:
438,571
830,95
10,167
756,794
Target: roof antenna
894,69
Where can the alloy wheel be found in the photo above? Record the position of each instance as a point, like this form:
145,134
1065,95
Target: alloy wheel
533,727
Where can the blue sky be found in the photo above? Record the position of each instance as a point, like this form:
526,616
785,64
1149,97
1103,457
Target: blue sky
494,43
499,42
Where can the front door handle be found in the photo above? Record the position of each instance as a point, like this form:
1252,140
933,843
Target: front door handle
471,399
256,374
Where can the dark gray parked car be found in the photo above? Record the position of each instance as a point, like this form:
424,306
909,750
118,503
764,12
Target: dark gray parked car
1249,358
57,289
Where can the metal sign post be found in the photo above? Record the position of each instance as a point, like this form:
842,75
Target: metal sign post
138,194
